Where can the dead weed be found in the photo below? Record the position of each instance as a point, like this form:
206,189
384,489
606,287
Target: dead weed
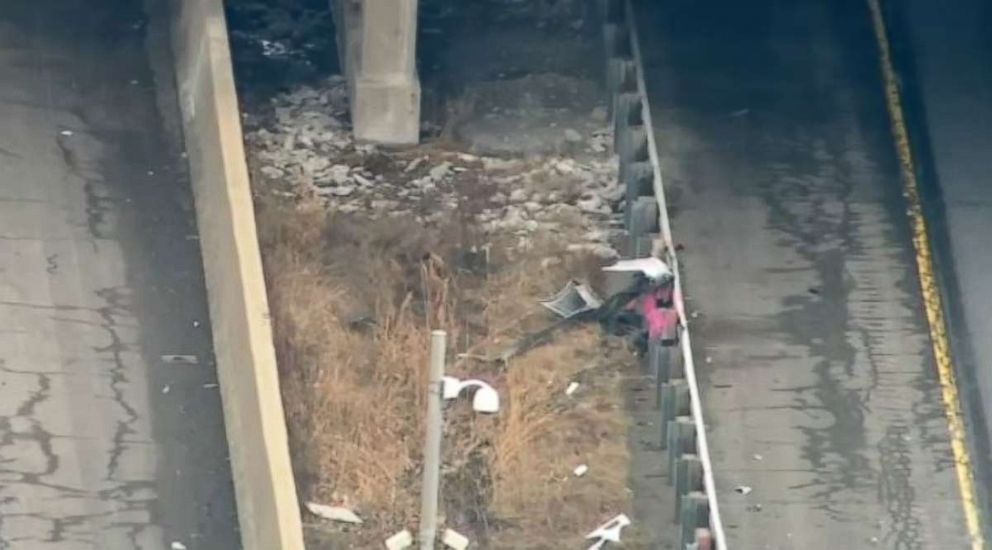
353,302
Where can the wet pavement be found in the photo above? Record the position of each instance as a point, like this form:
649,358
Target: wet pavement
104,444
942,55
819,383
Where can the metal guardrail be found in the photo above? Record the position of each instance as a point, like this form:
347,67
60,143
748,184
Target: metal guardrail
683,432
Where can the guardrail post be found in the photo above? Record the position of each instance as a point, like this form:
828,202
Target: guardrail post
632,146
638,178
642,216
688,478
617,38
681,440
664,371
694,514
613,10
674,403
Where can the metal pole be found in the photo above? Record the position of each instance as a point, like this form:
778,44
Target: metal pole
432,445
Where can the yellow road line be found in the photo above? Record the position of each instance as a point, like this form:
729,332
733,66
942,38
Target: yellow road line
928,284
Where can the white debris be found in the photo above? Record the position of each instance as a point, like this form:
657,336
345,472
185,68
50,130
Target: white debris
580,470
651,267
333,513
400,541
362,180
66,132
757,457
176,545
166,389
440,171
272,172
743,490
454,540
571,388
304,143
518,195
608,532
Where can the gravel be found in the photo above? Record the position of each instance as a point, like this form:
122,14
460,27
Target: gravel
303,145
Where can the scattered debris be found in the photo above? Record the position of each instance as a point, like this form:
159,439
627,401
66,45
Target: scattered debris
757,457
709,359
176,545
743,490
455,540
166,388
196,324
580,470
333,513
400,541
574,299
608,532
309,125
571,388
66,132
180,359
210,386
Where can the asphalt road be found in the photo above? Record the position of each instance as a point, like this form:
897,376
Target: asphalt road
818,376
103,444
942,55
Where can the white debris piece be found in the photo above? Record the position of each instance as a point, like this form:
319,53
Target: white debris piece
571,388
440,171
400,541
580,470
608,532
652,268
743,490
333,513
414,164
66,132
272,172
454,540
176,545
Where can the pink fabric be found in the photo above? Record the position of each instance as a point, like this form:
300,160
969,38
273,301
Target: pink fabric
661,321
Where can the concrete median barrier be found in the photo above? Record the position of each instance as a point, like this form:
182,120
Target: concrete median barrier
268,509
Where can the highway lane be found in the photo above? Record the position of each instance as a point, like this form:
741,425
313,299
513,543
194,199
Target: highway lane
819,382
103,444
942,56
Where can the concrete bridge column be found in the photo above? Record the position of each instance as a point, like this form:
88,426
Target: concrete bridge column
377,41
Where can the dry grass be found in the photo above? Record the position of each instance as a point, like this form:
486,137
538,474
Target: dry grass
355,396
